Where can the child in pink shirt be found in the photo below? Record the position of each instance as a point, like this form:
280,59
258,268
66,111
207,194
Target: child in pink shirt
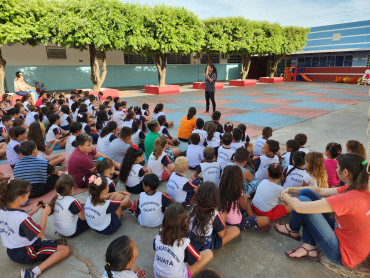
332,151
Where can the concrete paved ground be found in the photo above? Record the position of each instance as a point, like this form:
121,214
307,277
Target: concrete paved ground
252,254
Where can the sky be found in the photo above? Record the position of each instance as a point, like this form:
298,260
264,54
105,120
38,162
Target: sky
306,13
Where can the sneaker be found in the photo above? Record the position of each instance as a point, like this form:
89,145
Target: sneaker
27,273
205,112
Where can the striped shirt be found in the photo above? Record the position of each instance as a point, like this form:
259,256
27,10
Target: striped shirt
31,169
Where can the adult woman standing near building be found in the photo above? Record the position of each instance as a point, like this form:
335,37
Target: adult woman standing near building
337,220
21,88
211,78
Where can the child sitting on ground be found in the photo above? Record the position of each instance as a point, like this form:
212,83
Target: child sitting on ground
145,110
228,127
119,115
179,187
132,172
269,150
292,146
302,139
54,132
17,135
138,135
103,210
65,118
316,175
209,168
67,212
194,152
225,152
74,129
168,245
159,162
202,133
266,200
32,115
237,139
332,151
207,226
120,257
151,205
107,135
266,134
105,168
24,239
6,123
353,146
233,201
164,131
213,138
294,173
245,137
130,117
158,111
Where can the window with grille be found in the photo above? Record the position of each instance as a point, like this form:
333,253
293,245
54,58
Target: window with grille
214,60
137,59
348,61
234,59
176,58
56,53
368,61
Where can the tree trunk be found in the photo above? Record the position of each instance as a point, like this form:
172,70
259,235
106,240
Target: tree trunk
272,64
96,78
245,65
161,64
2,74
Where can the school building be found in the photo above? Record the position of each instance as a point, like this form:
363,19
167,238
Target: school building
332,50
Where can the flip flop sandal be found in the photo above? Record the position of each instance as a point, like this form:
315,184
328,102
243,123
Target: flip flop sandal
307,256
289,234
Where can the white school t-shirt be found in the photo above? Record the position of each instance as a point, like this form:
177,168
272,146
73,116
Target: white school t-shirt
169,260
225,155
157,165
202,134
267,195
119,117
99,217
285,159
215,140
214,222
295,178
261,173
52,132
150,208
103,143
65,119
194,154
211,171
237,145
31,117
310,180
13,151
156,115
258,146
175,187
65,215
136,175
305,150
71,145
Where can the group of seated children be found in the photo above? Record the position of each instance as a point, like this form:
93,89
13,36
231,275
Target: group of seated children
233,187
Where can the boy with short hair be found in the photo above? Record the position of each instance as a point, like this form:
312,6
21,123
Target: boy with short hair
202,133
225,152
261,163
194,152
179,187
74,129
151,204
38,172
119,115
91,106
292,146
80,164
153,134
117,148
209,168
266,134
302,138
237,136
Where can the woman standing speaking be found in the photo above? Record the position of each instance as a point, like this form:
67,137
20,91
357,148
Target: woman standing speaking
211,78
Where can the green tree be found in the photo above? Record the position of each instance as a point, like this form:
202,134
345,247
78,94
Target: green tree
96,25
282,41
21,22
245,43
217,38
165,30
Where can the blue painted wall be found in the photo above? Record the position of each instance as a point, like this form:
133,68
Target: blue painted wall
78,77
354,36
